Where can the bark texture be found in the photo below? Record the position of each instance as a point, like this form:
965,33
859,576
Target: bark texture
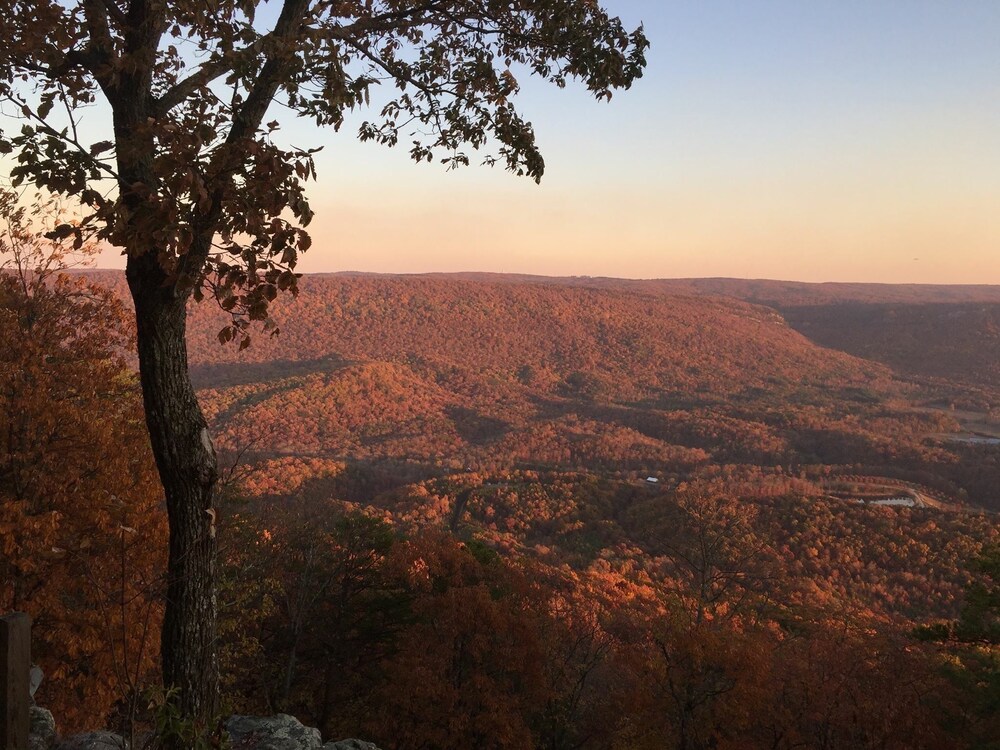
187,466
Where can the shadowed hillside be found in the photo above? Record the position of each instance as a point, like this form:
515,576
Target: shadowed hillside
936,330
955,341
628,346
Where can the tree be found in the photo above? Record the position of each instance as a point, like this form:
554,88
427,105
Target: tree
702,651
971,646
196,190
324,609
82,531
470,670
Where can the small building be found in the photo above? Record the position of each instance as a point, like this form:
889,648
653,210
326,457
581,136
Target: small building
652,480
896,502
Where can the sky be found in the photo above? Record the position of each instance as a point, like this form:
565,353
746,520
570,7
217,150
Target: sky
828,140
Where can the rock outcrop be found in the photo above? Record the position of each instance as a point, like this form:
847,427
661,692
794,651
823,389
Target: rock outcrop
42,735
93,741
281,732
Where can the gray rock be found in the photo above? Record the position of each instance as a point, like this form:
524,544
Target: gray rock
281,732
42,735
35,677
93,741
349,745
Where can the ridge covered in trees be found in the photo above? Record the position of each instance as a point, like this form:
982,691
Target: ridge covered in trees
438,527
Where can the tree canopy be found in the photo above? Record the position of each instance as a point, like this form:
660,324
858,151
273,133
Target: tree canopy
218,195
82,529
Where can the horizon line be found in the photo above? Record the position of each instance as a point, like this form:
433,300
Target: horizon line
587,277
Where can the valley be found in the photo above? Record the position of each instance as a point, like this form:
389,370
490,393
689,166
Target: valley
455,374
434,475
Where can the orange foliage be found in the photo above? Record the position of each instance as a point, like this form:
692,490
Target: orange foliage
82,534
524,585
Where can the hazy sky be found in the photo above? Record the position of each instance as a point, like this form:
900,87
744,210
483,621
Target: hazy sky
819,140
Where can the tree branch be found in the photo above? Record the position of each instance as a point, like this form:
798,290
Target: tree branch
99,42
214,69
114,11
248,118
205,74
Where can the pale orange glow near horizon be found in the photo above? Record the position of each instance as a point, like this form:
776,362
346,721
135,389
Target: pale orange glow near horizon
812,232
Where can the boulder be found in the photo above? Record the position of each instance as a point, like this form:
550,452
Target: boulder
281,732
35,677
42,735
351,744
93,741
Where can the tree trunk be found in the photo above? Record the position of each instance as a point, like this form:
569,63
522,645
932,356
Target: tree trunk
187,466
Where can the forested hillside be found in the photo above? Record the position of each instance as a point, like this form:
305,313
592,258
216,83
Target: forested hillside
557,514
923,330
946,331
441,375
660,342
